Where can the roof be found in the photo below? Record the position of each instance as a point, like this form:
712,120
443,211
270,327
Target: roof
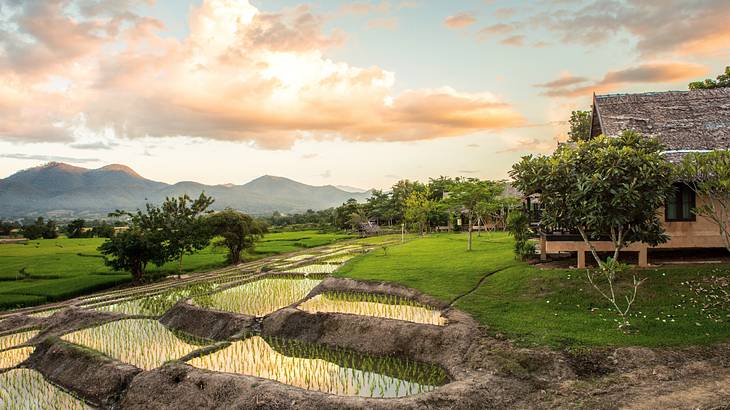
684,121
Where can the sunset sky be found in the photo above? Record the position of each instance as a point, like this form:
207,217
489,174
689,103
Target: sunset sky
326,92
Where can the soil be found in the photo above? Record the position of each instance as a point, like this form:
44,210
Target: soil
486,371
206,324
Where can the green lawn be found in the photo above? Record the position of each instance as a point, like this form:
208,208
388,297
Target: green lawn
57,269
558,308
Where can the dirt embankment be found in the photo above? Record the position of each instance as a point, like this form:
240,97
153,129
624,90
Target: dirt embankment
383,288
17,322
92,376
173,384
206,324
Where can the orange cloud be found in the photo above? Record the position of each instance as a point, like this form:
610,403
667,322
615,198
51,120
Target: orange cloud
569,86
460,20
240,75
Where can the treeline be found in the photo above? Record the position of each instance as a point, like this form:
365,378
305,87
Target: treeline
454,203
41,228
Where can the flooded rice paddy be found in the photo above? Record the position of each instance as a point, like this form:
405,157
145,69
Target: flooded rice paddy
367,304
315,367
260,297
15,339
25,389
158,304
144,343
13,357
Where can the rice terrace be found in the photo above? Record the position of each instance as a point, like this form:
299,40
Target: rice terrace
273,205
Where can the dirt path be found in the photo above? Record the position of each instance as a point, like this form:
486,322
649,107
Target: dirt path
714,394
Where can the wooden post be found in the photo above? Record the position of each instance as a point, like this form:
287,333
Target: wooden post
543,247
402,233
581,258
643,256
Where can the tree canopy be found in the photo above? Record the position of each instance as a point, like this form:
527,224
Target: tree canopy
580,126
239,232
723,80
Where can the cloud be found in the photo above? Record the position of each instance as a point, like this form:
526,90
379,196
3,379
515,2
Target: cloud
504,12
468,171
671,26
663,72
460,20
97,145
472,146
514,41
240,75
310,155
326,174
494,29
527,145
49,158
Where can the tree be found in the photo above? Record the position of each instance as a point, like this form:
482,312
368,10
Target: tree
723,80
183,225
580,126
132,250
518,225
708,175
343,213
604,187
75,228
103,231
7,227
418,206
468,193
239,232
40,229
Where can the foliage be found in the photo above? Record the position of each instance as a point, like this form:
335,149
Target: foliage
418,206
723,80
40,229
7,227
605,187
133,249
102,231
184,227
469,193
708,175
580,126
238,230
518,225
75,228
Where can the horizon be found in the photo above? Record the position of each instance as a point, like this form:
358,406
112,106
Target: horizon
221,91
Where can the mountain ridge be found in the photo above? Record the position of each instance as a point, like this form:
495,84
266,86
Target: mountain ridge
62,188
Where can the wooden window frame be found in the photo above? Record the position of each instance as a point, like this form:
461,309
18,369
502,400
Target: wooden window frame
680,209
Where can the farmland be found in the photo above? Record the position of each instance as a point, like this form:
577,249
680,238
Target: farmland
48,270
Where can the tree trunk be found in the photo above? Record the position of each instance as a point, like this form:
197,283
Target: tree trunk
468,246
179,266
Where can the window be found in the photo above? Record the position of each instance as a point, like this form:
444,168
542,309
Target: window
680,204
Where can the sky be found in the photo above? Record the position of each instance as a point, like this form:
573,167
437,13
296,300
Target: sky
329,92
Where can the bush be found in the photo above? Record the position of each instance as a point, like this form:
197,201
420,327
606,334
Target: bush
518,225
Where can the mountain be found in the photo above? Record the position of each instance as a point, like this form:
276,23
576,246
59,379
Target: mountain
59,188
352,189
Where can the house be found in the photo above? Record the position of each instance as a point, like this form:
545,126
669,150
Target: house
685,122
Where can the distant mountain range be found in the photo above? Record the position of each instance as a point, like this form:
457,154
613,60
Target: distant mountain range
62,190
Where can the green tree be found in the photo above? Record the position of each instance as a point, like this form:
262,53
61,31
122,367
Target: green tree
518,225
418,207
399,192
343,213
469,193
183,225
132,250
723,80
580,126
708,175
103,231
40,229
604,187
75,228
239,232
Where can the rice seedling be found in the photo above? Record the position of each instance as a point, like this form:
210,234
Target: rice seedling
15,339
144,343
297,258
375,305
44,313
157,305
13,357
338,259
260,297
315,367
26,389
314,268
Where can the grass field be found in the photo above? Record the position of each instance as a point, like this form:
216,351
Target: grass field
49,270
676,306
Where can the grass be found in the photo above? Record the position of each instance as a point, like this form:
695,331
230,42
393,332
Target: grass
49,270
676,306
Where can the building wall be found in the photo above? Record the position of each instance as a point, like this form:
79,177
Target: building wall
701,233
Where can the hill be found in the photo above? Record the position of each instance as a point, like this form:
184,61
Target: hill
61,189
